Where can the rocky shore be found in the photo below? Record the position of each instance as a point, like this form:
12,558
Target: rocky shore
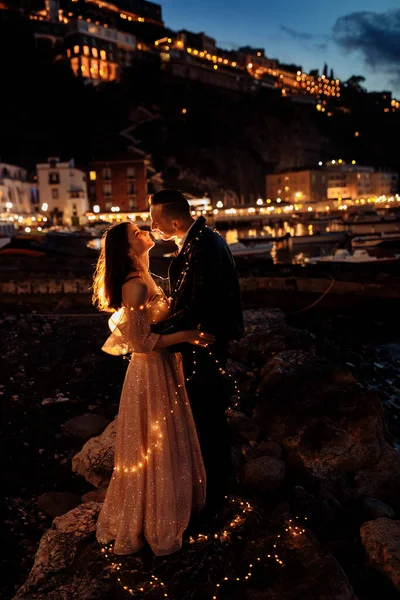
315,495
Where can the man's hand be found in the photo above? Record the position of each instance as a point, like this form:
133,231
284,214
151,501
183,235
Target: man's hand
199,338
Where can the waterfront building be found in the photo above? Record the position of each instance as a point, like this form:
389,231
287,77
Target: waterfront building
384,183
119,184
62,190
297,186
17,194
348,181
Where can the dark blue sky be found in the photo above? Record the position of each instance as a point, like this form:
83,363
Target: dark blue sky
359,37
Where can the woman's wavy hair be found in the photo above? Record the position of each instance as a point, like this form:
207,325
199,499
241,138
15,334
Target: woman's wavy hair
113,265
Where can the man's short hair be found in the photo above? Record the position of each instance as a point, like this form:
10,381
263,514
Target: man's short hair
174,203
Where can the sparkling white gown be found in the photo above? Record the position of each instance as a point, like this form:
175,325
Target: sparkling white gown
159,478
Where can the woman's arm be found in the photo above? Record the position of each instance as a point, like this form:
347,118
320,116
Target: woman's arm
193,336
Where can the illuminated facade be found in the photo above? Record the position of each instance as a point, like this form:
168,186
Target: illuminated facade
308,185
62,190
384,183
17,194
96,52
118,185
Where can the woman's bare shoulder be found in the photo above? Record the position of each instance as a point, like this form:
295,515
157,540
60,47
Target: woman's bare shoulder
134,293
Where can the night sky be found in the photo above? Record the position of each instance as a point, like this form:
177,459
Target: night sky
355,37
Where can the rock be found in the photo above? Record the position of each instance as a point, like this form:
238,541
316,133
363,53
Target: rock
68,564
271,318
381,540
56,400
269,448
244,428
310,571
95,495
324,420
382,480
55,504
265,473
263,340
95,462
86,426
375,509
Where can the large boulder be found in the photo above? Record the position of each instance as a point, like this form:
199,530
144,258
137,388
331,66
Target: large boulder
323,418
95,462
86,426
68,564
55,504
381,540
265,473
267,334
382,480
309,571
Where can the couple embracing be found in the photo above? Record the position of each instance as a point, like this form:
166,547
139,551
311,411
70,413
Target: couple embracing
172,454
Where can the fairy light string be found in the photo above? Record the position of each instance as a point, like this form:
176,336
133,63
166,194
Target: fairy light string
223,536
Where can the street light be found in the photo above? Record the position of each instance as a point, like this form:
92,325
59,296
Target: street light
259,201
96,208
45,206
219,204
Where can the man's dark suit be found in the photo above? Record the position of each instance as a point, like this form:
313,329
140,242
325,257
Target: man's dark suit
205,294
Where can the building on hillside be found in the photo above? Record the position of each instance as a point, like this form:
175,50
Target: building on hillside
62,191
297,186
17,194
119,184
98,52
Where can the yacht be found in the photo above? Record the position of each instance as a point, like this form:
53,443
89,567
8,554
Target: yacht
360,256
378,240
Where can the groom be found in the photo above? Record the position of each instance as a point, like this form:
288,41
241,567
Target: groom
205,294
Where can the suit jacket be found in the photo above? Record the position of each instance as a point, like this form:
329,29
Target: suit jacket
204,286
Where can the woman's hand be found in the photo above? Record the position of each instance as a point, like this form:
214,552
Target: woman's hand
199,338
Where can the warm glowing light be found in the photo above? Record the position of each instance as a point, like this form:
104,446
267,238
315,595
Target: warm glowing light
27,229
45,206
96,208
9,205
219,204
92,175
259,201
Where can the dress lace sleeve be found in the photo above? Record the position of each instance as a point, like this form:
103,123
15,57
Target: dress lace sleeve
130,332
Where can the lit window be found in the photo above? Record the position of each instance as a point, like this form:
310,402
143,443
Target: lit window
76,49
85,66
95,52
75,65
92,175
86,50
103,55
68,53
94,69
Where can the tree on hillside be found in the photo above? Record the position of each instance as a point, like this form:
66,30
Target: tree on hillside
354,82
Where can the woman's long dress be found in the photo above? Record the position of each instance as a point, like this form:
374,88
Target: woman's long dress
159,478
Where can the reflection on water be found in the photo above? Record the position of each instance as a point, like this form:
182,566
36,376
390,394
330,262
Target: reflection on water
281,252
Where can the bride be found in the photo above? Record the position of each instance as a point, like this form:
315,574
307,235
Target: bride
159,479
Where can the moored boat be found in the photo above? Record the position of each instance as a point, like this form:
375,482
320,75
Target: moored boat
360,256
